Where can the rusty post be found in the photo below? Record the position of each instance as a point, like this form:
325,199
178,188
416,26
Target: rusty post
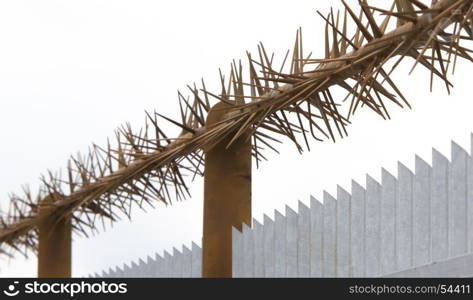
54,243
227,197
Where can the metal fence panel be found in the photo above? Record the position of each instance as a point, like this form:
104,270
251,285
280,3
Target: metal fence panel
411,222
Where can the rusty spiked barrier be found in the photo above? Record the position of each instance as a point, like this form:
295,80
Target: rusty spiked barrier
293,100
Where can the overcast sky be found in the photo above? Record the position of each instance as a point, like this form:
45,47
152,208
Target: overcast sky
73,71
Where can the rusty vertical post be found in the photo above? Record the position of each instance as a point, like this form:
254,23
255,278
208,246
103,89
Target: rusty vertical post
227,198
54,243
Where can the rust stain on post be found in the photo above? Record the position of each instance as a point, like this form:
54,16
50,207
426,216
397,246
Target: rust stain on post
227,197
54,244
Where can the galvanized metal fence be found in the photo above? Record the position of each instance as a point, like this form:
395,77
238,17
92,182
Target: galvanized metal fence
185,263
410,220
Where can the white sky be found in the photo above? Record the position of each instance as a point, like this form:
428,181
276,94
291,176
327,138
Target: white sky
73,71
